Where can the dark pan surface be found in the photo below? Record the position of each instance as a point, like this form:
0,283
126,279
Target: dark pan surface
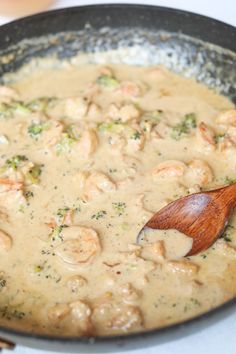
159,36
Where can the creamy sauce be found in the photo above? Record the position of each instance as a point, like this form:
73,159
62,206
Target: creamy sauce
82,170
177,244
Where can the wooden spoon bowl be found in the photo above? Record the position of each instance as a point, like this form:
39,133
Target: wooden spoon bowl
202,216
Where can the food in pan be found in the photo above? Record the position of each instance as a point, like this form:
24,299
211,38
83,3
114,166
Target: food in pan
87,154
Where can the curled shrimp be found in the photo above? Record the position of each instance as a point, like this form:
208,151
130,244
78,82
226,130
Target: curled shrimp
7,94
227,117
7,185
207,134
81,244
169,168
200,171
76,107
5,241
88,143
129,88
96,183
113,315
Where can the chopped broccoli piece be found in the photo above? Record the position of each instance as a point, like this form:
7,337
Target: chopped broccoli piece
218,138
15,161
65,144
107,81
5,111
34,173
35,129
56,233
184,128
41,104
19,107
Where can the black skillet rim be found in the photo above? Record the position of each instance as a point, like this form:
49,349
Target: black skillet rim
228,29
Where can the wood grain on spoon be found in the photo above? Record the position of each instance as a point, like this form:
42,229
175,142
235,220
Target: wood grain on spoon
202,216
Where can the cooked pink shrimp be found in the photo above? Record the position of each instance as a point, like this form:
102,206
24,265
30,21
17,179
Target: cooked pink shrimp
169,168
81,244
207,134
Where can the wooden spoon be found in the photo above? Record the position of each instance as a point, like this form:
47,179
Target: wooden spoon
202,216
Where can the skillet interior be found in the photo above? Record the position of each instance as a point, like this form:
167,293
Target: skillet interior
155,35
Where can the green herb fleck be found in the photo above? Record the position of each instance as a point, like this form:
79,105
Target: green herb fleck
29,194
227,234
100,214
38,268
11,313
136,136
56,233
112,170
195,301
3,283
230,180
119,208
61,213
21,208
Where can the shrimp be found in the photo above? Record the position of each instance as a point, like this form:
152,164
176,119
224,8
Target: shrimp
5,241
75,282
7,185
113,315
124,113
227,117
58,312
129,88
76,107
81,245
136,142
157,73
200,171
128,293
88,143
155,251
231,134
183,267
52,135
94,112
224,249
7,94
207,134
129,112
97,183
131,163
169,168
81,316
146,213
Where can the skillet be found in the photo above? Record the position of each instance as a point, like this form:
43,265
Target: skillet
190,44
